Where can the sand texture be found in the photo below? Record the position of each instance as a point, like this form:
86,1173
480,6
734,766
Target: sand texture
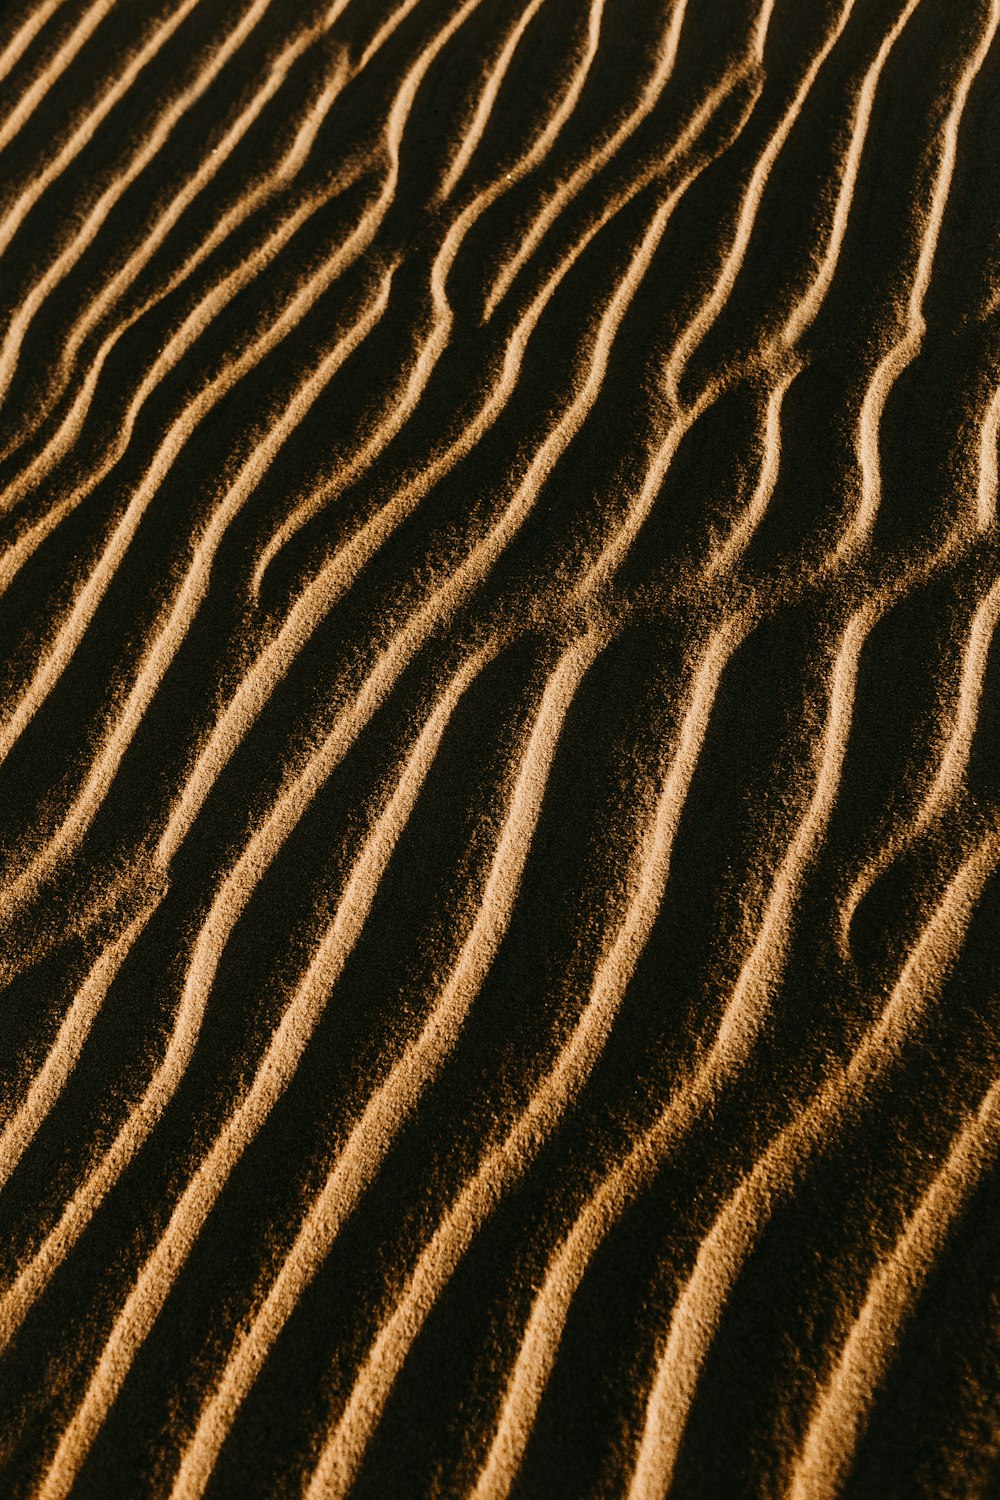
499,749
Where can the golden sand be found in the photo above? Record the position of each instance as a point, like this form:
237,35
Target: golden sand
499,839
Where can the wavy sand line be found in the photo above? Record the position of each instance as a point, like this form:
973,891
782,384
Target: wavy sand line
741,1221
25,35
740,1024
365,230
273,1075
906,348
727,552
170,446
14,217
762,969
501,1166
504,1164
50,1080
561,113
804,313
394,1100
708,313
489,96
315,601
396,122
684,414
226,908
111,290
36,91
588,169
949,779
817,1461
229,903
217,297
648,884
319,596
406,93
234,894
380,38
404,403
726,555
188,596
122,180
849,1392
989,485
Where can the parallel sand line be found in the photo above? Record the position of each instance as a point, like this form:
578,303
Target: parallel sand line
561,113
742,1019
684,415
385,31
906,348
84,132
211,303
500,1168
804,313
707,314
25,35
402,647
736,1230
588,169
419,1063
290,164
398,114
394,1100
71,426
728,549
850,1391
989,481
63,1055
229,903
853,1374
365,230
949,779
318,597
344,1449
784,358
52,70
192,589
254,692
404,403
68,637
249,869
230,900
121,180
556,1092
262,848
488,97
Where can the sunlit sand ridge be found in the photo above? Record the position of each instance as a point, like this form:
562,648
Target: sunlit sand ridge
499,831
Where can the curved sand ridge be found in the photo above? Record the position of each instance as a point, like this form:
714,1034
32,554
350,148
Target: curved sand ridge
499,583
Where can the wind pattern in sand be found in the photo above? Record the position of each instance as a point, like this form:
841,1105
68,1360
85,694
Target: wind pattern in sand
500,749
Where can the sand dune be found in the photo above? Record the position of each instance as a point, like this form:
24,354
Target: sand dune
498,814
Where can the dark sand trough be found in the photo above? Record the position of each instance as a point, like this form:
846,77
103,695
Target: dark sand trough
499,810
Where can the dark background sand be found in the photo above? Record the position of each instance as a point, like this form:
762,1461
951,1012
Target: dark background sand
933,1430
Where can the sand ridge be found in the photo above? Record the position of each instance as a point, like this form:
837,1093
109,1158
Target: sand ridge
498,829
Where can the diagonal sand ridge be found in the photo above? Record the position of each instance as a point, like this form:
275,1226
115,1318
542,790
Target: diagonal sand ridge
499,586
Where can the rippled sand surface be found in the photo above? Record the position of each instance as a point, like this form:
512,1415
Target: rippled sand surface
499,749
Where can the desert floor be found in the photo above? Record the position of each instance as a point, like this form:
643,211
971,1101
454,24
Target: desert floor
499,749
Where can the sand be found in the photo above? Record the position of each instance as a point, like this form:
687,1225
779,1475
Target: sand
499,829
